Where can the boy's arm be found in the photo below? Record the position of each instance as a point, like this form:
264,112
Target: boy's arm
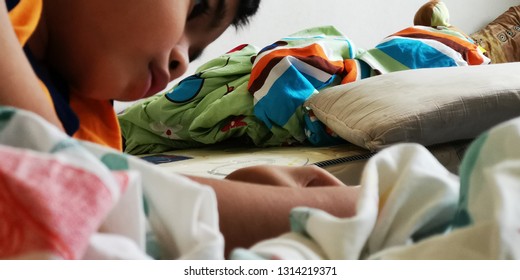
19,86
286,176
250,212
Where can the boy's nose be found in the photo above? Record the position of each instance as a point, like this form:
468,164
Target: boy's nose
179,58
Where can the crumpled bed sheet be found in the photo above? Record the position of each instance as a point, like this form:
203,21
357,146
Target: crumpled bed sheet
411,207
66,199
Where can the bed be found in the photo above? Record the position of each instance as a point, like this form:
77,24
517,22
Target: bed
344,104
402,135
382,118
444,117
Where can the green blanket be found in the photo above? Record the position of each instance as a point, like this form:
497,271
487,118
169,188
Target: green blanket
205,108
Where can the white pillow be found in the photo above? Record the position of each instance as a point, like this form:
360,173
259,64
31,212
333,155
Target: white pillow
426,106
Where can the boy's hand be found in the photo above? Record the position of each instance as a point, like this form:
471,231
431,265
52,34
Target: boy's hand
253,207
295,177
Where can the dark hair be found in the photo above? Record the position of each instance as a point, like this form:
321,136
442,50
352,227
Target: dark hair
246,9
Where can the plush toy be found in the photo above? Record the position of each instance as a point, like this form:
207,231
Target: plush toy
435,14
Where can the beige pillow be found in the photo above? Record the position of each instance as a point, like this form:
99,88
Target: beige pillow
427,106
501,37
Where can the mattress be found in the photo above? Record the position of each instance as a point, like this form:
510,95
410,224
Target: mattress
345,161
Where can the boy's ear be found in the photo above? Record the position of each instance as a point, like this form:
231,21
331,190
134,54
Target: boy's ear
434,13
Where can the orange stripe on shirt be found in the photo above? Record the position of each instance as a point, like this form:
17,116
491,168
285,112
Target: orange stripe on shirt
98,122
25,17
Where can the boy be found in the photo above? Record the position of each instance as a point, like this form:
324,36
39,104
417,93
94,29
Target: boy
88,53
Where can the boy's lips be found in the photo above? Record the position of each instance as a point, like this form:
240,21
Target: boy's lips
159,80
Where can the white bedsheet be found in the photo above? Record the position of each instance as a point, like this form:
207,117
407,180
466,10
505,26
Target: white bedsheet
411,207
67,199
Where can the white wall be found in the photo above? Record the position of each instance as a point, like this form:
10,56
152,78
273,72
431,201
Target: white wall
365,22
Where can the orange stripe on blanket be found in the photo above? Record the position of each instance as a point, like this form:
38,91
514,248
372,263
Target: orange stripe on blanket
267,62
351,67
411,30
466,48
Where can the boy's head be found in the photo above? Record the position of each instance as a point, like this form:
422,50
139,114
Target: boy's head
129,49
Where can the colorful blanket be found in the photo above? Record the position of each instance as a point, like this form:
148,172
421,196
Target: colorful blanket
249,95
257,97
423,47
289,71
67,199
411,207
